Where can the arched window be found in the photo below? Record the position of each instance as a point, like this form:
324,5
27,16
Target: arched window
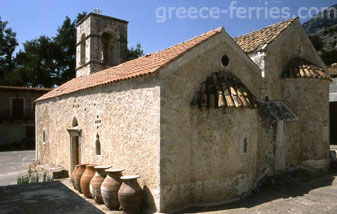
98,145
107,55
74,123
83,47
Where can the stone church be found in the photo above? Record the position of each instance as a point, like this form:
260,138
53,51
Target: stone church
201,122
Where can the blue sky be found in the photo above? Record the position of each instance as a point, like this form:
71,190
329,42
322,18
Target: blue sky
33,18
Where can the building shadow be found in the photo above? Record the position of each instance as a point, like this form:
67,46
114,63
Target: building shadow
49,197
272,191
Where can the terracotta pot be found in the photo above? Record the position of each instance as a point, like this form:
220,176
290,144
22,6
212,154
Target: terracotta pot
86,178
72,177
130,194
110,187
78,175
96,182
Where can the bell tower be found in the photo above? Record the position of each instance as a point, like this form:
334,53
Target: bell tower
101,42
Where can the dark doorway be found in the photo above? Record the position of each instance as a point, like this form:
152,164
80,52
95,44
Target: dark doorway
333,123
76,151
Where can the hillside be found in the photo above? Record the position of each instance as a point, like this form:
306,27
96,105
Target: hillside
322,30
322,20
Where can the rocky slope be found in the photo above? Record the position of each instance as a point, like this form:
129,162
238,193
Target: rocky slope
322,29
322,20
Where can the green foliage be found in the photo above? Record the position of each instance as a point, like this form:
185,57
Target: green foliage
80,16
134,53
330,31
329,57
8,44
35,66
65,41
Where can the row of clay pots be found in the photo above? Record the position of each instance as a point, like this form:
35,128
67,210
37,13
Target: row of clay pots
108,186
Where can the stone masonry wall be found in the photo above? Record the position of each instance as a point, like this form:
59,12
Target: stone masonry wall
127,115
201,158
308,137
299,96
293,42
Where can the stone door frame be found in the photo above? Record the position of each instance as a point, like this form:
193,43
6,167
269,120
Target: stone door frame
73,133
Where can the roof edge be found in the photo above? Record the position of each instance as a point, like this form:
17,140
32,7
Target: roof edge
99,15
153,71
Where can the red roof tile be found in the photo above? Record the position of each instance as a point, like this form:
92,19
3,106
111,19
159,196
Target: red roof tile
224,89
257,40
302,68
145,65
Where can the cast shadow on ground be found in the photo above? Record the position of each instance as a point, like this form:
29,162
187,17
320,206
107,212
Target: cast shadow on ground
49,197
273,191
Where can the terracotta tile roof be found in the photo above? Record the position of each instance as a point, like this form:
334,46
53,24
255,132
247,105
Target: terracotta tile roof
224,89
302,68
258,40
148,64
17,88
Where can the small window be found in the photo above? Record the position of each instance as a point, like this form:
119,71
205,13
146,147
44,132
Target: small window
98,145
225,60
43,136
245,145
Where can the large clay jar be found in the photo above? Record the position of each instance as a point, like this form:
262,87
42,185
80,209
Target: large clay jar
130,194
86,178
72,177
96,182
78,175
110,187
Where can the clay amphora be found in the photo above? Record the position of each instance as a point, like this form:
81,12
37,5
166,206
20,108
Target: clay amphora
86,178
72,177
96,182
110,187
130,194
78,175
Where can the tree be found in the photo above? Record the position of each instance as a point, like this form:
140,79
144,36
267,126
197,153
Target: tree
8,44
65,41
80,16
317,42
329,57
48,62
134,53
37,65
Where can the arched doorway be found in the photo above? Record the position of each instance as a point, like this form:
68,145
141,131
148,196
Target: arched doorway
75,147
